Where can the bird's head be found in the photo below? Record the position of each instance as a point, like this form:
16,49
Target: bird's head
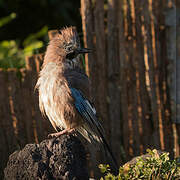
66,44
71,43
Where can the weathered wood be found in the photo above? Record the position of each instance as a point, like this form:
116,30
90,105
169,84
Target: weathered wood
89,41
151,72
113,74
178,66
87,10
101,63
7,137
161,35
157,62
172,34
143,99
33,65
133,94
143,70
123,75
16,106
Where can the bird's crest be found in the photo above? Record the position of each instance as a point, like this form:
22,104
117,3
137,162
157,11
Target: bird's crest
69,35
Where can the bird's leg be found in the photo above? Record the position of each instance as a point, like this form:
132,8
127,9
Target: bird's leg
65,131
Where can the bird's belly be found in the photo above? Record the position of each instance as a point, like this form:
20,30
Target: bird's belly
55,98
49,103
52,112
58,105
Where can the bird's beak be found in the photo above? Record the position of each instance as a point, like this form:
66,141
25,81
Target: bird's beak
84,50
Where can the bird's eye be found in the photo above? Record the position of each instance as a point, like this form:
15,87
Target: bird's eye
69,48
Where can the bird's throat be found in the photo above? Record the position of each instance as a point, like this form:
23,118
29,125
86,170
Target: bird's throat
71,64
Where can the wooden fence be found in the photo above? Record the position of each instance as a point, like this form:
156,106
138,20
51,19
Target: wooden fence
129,72
133,72
20,119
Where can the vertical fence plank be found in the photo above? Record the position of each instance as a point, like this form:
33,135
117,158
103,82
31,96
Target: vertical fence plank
7,135
134,79
150,75
27,93
172,19
131,81
113,79
87,9
156,61
16,106
127,121
178,75
101,62
89,41
144,101
4,148
162,42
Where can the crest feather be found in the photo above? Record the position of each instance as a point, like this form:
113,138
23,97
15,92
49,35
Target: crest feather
68,34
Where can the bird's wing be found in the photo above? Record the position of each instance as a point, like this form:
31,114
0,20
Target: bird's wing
77,79
92,129
88,114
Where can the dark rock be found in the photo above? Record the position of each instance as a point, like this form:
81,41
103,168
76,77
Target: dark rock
52,159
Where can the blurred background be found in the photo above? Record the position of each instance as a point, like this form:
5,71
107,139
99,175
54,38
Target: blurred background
134,72
24,26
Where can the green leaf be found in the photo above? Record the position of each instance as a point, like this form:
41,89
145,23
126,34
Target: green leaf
7,19
28,50
33,37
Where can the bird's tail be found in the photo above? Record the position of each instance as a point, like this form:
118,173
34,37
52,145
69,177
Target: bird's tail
93,138
108,149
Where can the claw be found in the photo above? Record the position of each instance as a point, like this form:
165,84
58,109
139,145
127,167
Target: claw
65,131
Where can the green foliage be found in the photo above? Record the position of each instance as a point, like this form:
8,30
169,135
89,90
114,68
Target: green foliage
11,55
24,26
33,37
153,167
7,19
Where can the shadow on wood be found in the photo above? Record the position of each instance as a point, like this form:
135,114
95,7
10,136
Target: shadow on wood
57,158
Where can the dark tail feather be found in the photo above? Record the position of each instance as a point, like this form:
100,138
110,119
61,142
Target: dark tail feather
106,147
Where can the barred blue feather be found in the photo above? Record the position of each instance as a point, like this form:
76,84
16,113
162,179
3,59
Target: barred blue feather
88,113
86,109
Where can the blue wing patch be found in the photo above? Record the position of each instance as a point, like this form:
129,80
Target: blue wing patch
85,108
88,113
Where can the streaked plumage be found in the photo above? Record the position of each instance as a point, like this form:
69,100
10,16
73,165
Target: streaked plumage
64,89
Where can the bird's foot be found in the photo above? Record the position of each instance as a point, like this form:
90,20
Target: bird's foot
65,131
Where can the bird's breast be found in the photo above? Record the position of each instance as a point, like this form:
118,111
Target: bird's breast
54,95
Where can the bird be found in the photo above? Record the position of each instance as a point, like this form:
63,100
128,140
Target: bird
64,90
